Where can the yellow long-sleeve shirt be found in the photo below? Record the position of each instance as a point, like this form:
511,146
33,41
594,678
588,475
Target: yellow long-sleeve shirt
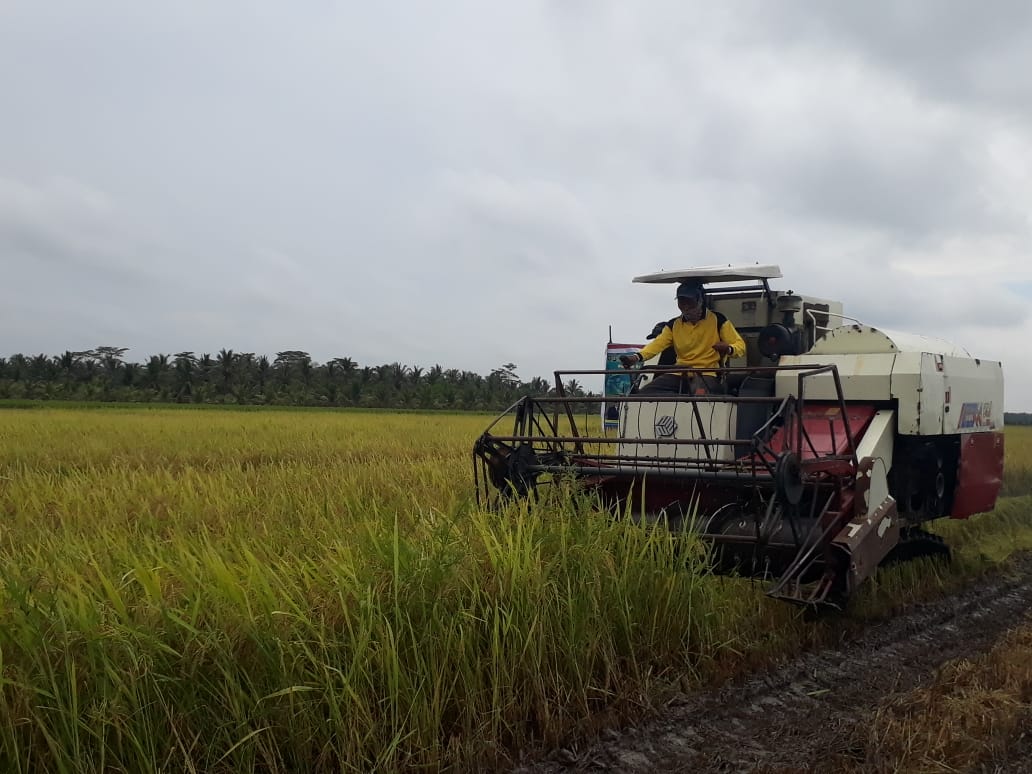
693,342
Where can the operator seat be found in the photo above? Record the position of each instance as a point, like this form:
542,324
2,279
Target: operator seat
753,416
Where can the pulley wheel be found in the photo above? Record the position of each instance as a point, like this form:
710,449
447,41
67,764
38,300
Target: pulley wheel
788,477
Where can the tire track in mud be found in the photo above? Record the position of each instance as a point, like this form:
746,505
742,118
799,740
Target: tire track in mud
799,716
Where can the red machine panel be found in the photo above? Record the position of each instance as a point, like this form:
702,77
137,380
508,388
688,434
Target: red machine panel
826,430
979,475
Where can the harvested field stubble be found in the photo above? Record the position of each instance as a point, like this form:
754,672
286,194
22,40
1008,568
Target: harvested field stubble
970,715
283,591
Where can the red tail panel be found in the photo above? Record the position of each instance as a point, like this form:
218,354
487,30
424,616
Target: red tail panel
979,474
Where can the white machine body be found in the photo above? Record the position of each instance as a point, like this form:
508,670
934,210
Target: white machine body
937,388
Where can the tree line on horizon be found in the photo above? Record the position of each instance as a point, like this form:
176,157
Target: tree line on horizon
291,378
1017,418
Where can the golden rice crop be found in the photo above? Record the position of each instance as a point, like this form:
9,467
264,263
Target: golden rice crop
315,591
294,590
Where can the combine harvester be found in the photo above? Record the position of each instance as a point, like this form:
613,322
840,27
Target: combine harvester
832,443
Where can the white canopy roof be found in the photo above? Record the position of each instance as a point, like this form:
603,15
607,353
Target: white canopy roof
722,273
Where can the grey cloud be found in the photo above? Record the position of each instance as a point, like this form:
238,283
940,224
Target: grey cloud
471,183
64,222
949,50
963,308
911,186
813,131
540,220
919,306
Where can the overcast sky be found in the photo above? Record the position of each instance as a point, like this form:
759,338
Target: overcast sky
471,183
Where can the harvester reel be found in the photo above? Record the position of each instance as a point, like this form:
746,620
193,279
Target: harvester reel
519,480
509,468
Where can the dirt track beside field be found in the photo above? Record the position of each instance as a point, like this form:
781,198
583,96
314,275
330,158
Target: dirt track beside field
801,716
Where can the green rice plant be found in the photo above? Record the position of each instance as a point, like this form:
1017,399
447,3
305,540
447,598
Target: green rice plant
316,591
310,592
1017,466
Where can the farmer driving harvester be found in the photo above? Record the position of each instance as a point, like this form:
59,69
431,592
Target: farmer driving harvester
701,338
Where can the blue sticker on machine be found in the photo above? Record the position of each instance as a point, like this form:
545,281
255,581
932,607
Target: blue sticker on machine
976,415
617,381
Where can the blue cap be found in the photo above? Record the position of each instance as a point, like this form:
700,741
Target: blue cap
690,289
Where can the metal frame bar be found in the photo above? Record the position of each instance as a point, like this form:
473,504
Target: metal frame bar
569,453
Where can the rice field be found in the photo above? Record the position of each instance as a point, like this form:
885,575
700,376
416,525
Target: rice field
970,712
316,591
